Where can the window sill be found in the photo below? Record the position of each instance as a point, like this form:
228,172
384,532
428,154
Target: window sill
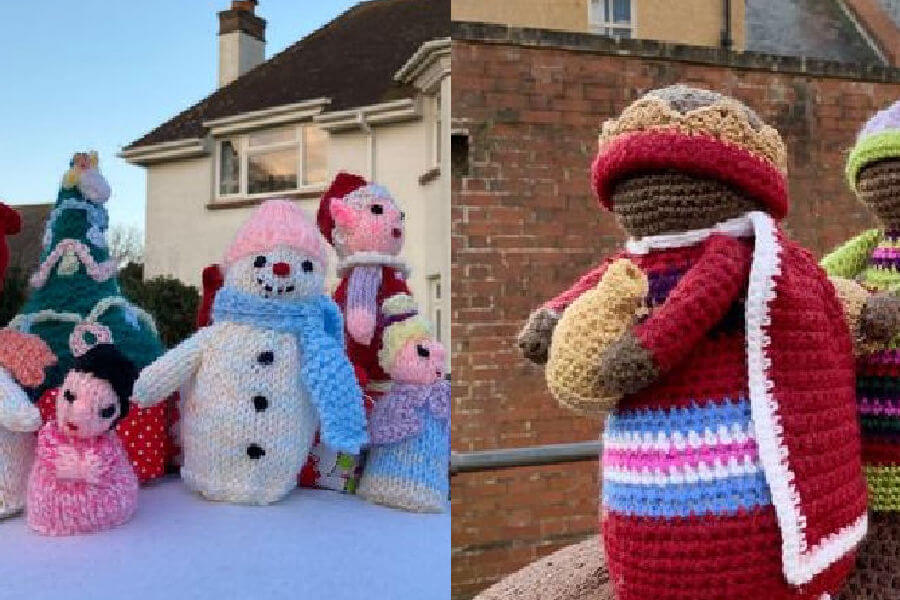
429,176
240,201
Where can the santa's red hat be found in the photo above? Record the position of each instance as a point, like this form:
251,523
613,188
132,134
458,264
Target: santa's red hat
342,185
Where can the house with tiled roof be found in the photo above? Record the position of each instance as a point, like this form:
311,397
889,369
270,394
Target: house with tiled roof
369,93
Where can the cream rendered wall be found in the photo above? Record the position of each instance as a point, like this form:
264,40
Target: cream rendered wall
571,15
693,22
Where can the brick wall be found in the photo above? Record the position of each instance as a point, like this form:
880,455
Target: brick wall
525,225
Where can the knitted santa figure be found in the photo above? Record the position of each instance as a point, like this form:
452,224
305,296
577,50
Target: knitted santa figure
269,369
873,259
364,224
82,480
407,465
23,358
731,466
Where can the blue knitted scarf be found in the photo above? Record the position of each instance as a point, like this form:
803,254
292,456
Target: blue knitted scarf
325,372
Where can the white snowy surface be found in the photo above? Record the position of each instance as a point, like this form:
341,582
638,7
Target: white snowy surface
312,545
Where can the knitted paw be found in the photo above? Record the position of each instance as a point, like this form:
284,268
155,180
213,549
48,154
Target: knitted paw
880,319
534,339
25,356
25,420
626,366
361,325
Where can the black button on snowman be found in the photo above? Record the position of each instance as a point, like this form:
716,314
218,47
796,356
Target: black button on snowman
260,403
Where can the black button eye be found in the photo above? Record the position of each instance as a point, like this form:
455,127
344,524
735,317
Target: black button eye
255,451
377,209
260,403
423,351
308,266
266,358
260,262
108,412
69,396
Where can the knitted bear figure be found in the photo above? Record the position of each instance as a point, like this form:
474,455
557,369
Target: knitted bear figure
82,480
267,371
407,465
731,466
873,259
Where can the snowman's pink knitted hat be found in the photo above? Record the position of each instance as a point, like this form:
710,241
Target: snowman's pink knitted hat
277,222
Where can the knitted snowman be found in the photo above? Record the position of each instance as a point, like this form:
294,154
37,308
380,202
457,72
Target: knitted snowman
407,465
873,259
23,358
269,369
731,466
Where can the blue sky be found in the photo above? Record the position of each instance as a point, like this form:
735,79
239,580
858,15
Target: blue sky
97,74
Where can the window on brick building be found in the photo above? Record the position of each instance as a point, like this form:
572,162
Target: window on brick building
435,302
459,154
612,18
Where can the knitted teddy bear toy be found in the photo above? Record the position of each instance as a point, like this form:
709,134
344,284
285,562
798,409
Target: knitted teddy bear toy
731,466
873,259
23,358
269,369
82,480
407,465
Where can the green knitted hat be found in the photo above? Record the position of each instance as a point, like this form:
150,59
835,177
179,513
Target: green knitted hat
878,140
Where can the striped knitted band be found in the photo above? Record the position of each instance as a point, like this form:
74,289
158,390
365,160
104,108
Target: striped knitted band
869,149
700,155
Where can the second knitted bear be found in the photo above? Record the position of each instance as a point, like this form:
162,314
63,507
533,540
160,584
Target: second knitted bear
731,466
269,369
407,466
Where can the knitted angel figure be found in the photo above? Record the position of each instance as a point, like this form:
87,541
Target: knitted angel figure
23,359
82,480
269,369
731,466
873,259
407,466
364,224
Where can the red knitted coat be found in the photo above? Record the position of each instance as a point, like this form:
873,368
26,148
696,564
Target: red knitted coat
10,224
737,473
365,356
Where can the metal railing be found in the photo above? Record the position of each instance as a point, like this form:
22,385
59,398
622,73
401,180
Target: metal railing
503,458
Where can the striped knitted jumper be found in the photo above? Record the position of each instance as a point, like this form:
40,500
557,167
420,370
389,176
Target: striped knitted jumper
873,258
684,495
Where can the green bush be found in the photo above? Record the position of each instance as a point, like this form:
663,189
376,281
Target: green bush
172,303
13,296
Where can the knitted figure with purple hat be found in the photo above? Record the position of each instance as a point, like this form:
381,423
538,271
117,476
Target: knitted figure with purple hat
872,259
269,370
407,465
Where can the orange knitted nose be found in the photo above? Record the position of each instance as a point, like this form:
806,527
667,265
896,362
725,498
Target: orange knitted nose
281,269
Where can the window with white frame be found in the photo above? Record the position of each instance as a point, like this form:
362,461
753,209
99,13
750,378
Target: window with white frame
611,17
284,159
435,305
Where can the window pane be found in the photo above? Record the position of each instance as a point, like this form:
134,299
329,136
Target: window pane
229,169
316,155
620,32
621,11
606,13
272,136
438,138
272,171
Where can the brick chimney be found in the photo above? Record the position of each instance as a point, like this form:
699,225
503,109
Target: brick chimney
242,40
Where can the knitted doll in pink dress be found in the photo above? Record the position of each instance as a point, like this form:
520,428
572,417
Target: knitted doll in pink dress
82,480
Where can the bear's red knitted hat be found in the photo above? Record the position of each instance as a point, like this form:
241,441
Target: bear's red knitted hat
343,184
698,132
10,224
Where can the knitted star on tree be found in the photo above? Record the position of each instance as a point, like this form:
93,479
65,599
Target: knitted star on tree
75,303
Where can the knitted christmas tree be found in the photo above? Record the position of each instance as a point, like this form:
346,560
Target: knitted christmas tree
75,303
